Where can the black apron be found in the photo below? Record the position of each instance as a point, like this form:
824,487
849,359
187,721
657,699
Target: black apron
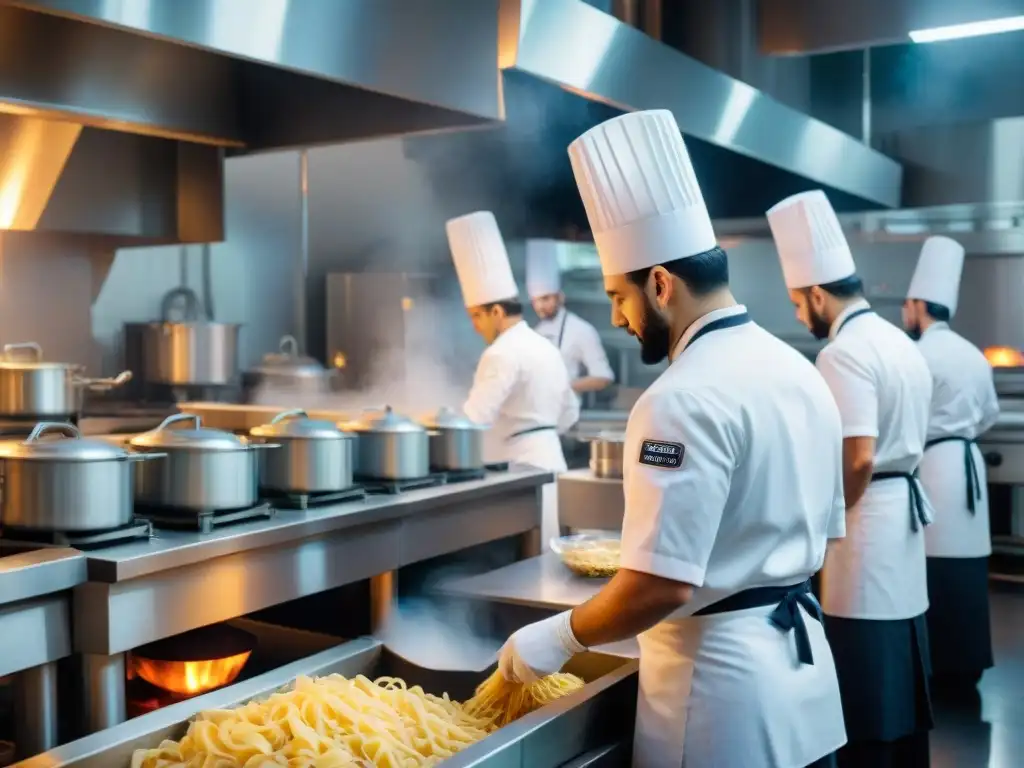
970,470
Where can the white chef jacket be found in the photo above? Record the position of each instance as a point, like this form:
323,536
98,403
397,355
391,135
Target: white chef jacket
580,345
964,404
883,389
520,384
756,492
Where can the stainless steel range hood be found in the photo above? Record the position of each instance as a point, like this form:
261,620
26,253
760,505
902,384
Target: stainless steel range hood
749,150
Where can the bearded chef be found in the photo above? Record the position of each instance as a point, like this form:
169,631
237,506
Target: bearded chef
521,386
874,588
732,483
577,340
963,406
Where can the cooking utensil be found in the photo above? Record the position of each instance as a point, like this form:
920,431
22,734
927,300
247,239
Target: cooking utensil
205,469
456,443
315,456
606,451
390,446
67,485
30,387
287,369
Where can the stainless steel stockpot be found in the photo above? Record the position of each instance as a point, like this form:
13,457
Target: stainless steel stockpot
315,456
205,469
390,446
456,442
606,452
69,485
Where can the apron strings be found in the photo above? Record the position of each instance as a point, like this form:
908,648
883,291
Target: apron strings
787,618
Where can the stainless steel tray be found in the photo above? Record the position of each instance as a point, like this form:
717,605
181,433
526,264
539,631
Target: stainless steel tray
592,720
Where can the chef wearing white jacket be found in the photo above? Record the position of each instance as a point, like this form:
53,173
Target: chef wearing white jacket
732,484
874,588
963,406
521,386
577,340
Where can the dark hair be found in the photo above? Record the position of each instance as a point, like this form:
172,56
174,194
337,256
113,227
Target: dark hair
703,273
938,312
847,288
512,307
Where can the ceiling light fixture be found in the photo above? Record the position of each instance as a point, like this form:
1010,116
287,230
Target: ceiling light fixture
973,29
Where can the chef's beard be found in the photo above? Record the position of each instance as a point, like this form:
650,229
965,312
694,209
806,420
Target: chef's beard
820,326
654,336
914,332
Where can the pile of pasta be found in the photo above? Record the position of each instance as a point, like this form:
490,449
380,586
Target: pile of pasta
593,559
338,722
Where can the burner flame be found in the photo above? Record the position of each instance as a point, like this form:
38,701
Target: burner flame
1004,357
189,678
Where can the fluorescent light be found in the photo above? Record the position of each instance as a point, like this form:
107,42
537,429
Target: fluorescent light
974,29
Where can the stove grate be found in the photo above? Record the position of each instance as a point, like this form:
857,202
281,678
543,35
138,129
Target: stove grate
204,521
85,540
377,486
301,501
498,466
465,475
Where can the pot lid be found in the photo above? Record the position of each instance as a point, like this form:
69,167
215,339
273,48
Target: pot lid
446,418
73,447
385,421
287,360
296,423
198,436
28,356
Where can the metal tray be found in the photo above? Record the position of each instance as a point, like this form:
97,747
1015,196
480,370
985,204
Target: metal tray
593,720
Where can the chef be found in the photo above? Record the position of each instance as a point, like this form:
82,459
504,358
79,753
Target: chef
521,387
577,340
732,483
963,406
874,588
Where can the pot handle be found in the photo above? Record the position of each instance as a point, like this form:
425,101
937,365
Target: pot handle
137,457
288,346
293,413
103,385
174,418
70,430
262,446
37,351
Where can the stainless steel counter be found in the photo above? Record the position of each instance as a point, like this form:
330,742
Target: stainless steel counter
540,582
24,575
588,502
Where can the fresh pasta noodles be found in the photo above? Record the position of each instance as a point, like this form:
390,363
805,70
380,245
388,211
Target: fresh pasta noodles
594,559
338,722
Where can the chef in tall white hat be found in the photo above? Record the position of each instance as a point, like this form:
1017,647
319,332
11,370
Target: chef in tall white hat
521,387
577,340
874,589
732,482
963,406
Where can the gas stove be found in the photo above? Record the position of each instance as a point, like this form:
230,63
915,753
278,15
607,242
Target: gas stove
13,539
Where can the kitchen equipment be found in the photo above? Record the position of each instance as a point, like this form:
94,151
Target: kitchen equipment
205,469
589,555
456,443
30,387
606,452
287,369
390,446
195,662
67,485
315,456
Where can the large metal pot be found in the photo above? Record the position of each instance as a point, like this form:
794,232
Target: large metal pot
287,369
315,456
390,446
183,354
67,485
606,451
456,443
205,469
30,387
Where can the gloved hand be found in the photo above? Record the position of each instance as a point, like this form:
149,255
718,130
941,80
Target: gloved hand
539,649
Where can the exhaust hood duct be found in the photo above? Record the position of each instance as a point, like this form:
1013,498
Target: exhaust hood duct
252,75
748,149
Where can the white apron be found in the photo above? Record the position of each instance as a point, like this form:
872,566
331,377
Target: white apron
727,691
878,570
955,532
541,449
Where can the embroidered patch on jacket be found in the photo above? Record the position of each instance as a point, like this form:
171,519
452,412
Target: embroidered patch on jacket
657,453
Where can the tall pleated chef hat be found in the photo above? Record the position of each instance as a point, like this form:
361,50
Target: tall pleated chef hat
937,276
543,276
481,261
811,244
641,194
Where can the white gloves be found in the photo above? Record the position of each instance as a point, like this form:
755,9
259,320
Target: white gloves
539,649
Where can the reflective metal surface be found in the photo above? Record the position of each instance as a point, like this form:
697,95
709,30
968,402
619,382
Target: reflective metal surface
602,712
34,632
592,55
183,354
589,502
40,572
260,74
35,710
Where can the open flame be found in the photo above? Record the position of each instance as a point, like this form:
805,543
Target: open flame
1004,357
188,678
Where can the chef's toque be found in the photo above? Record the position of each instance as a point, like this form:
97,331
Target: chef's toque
811,244
641,194
542,270
937,276
481,261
